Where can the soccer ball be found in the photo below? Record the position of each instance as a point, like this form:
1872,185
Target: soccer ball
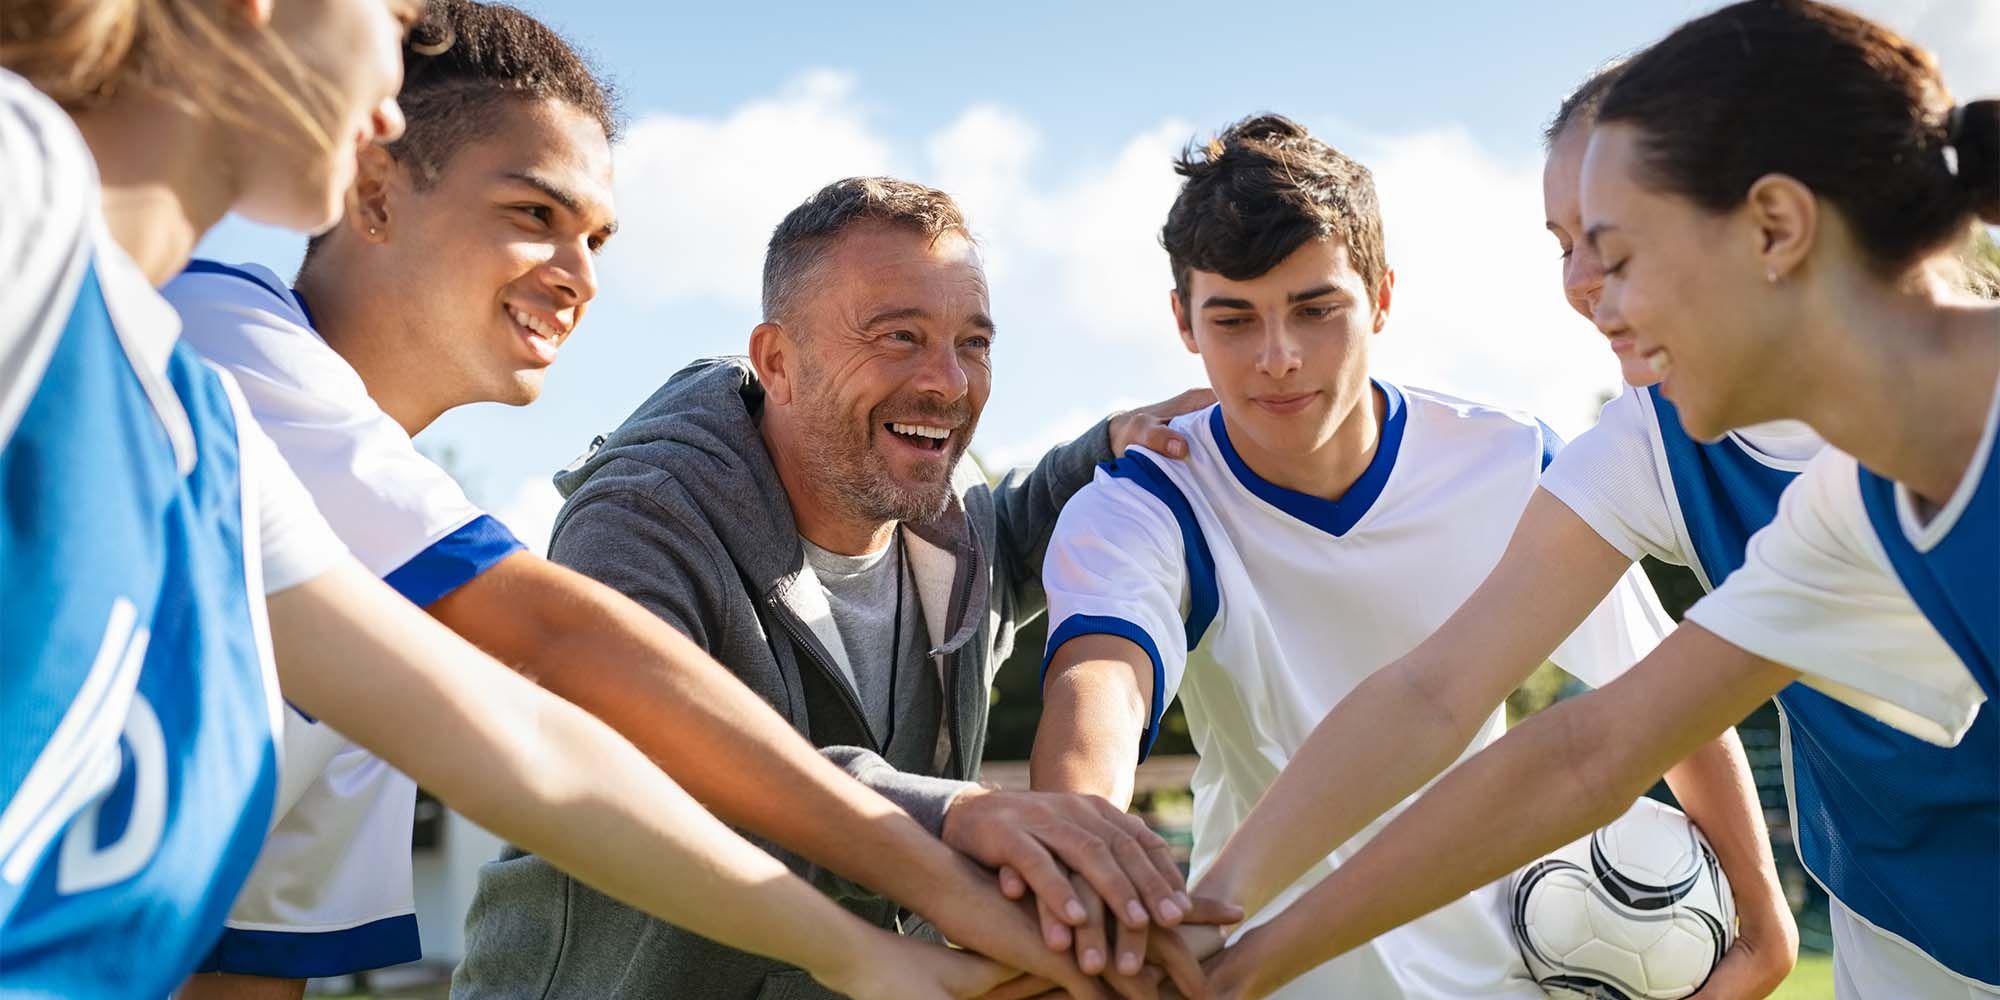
1636,911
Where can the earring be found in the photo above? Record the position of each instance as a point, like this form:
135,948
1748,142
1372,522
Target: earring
1770,275
372,231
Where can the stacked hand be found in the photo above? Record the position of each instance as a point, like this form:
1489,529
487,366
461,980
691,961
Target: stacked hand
1086,871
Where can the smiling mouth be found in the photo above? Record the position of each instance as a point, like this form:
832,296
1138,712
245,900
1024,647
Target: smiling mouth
541,339
920,436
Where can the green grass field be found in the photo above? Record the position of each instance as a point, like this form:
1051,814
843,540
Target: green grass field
1812,980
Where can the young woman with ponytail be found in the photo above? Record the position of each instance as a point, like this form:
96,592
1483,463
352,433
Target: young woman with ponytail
1772,190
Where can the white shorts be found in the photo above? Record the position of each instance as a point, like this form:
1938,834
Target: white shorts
330,893
1871,965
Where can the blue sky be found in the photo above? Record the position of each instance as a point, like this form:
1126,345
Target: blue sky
1052,123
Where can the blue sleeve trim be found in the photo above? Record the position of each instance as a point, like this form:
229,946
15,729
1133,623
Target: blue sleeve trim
1204,599
1551,443
304,955
1076,625
453,560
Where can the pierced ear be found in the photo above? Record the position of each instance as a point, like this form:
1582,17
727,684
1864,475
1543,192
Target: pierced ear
769,344
369,197
1385,292
1785,213
1181,322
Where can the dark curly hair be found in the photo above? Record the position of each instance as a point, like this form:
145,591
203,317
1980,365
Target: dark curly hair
1258,191
465,62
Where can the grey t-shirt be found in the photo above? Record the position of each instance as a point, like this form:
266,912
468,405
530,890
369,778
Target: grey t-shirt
861,591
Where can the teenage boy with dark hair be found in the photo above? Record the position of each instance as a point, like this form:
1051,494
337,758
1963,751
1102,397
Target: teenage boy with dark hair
1324,522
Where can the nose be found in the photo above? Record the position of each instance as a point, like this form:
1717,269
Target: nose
572,274
942,374
1605,311
1278,355
1583,280
386,122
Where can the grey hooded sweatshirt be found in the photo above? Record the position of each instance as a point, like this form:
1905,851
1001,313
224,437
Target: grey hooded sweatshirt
681,509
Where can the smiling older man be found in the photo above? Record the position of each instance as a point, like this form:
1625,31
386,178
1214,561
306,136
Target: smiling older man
804,515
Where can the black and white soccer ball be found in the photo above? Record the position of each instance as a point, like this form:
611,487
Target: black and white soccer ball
1636,911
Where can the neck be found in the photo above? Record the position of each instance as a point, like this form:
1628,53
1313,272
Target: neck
1902,381
361,329
822,519
162,186
1330,469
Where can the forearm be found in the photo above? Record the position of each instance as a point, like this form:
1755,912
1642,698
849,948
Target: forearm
1434,700
721,742
1344,776
1503,808
1562,773
1716,790
539,772
1093,717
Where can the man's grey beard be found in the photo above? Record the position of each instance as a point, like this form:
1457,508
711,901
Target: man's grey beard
852,477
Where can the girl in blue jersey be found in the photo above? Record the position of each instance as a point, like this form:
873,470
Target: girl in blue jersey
143,521
1772,254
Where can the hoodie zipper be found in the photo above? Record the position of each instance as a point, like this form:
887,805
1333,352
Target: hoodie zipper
799,637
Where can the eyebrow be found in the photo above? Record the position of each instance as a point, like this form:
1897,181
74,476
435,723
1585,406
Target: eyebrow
1590,235
978,319
568,201
1223,302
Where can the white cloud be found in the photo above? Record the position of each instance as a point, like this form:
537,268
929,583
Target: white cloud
697,198
1079,279
1479,309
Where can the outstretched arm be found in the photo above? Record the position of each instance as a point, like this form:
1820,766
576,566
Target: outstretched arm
1555,777
549,777
1434,700
1715,788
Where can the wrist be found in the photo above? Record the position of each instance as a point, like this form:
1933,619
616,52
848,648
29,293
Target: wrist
853,949
954,816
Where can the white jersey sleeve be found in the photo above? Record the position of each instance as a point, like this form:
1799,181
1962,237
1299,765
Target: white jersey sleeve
1116,566
1817,594
404,517
1610,477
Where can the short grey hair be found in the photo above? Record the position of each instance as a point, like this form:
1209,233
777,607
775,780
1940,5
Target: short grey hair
802,239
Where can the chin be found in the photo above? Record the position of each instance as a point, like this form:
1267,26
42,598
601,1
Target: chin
524,388
1637,373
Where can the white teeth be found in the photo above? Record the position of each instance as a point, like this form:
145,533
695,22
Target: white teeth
536,325
918,430
1659,362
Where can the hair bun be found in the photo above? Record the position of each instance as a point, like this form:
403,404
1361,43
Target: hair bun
1974,135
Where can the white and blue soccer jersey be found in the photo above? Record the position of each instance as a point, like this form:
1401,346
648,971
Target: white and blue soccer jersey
332,892
1261,608
1899,832
1879,605
142,519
